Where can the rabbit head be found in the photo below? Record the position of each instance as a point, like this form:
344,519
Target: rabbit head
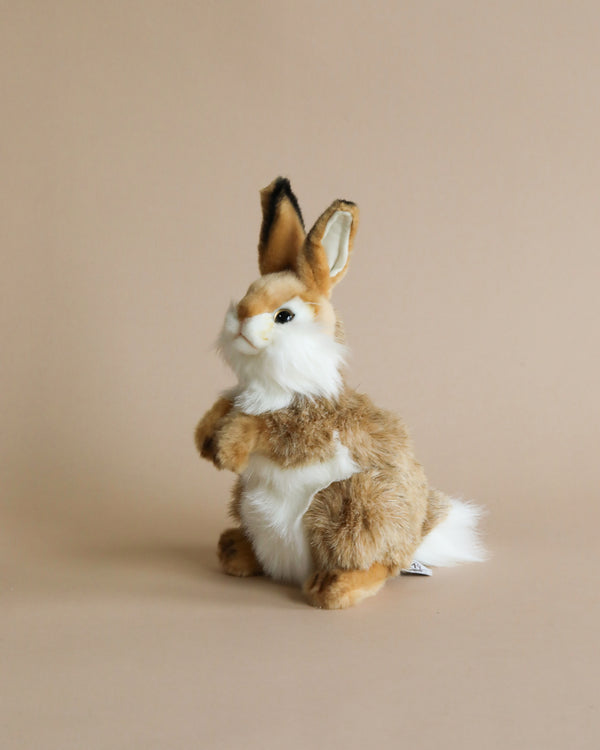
281,338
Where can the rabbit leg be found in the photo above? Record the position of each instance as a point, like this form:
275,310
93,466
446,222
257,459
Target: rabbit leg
236,555
372,517
338,589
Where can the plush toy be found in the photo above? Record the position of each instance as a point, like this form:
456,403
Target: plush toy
329,494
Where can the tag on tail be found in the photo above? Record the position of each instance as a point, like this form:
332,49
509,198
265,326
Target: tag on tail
416,569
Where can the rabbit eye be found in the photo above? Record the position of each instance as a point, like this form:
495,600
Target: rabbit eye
284,316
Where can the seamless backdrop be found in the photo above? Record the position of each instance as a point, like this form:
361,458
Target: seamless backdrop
134,138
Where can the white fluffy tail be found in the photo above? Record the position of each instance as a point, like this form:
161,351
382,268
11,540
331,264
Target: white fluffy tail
455,539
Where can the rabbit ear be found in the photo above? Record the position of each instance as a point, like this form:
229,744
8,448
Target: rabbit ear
282,232
326,253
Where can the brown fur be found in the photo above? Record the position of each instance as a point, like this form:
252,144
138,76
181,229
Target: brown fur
207,427
235,506
363,529
236,554
238,436
268,293
438,508
338,589
282,232
375,516
313,268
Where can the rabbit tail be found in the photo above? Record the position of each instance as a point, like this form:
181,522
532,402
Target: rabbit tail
450,534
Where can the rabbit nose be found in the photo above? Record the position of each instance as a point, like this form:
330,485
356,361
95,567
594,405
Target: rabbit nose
256,329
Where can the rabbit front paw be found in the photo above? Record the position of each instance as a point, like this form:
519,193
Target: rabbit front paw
234,442
208,427
231,455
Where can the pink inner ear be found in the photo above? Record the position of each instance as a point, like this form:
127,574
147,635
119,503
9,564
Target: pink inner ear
324,259
336,241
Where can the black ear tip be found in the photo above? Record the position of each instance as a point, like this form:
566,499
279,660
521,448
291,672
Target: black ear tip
274,191
281,190
283,183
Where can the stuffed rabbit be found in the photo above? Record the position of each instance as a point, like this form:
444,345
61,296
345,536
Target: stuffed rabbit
329,494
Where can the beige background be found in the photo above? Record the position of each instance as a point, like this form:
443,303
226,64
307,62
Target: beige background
134,140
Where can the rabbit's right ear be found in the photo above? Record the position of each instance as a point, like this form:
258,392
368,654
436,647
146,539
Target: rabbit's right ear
282,232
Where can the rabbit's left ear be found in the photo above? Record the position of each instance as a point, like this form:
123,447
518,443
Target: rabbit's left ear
326,253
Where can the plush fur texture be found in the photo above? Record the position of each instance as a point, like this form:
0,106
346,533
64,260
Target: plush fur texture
276,528
454,539
338,589
282,231
236,554
329,493
275,362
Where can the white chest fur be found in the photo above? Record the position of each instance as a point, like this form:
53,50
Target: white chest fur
274,502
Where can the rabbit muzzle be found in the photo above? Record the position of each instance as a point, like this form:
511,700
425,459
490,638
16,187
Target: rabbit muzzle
254,333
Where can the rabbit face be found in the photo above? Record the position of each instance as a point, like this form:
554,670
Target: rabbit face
280,341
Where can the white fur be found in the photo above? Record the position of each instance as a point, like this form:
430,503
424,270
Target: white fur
455,539
257,329
274,501
274,362
336,241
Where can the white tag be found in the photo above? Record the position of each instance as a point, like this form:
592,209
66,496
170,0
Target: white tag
416,569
